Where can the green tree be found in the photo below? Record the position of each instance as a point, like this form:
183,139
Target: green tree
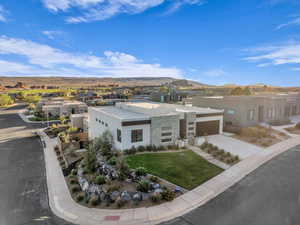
5,100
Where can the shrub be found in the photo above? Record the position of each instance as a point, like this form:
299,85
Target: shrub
141,148
156,197
113,187
120,203
154,148
297,126
75,188
127,151
94,201
204,145
133,150
215,154
168,195
222,152
100,180
80,197
154,179
144,186
74,172
162,148
228,160
215,148
149,148
73,181
112,161
236,158
141,171
85,170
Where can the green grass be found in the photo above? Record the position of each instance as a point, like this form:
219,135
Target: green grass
186,169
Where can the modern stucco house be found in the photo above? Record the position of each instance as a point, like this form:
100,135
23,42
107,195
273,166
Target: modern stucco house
148,123
244,111
62,108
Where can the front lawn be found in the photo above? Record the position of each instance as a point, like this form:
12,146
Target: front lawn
186,169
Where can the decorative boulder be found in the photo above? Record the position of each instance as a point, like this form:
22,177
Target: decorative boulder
114,195
178,190
125,196
85,186
145,196
155,185
137,197
159,190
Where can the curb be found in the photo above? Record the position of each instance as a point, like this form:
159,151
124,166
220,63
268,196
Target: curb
26,120
62,204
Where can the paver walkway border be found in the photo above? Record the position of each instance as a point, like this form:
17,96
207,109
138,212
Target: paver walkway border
65,207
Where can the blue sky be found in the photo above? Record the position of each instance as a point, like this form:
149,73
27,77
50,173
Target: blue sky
211,41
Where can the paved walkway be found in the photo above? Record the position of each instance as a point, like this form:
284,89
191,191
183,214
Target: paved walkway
64,206
234,146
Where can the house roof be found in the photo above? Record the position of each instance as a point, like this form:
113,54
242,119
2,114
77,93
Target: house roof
121,114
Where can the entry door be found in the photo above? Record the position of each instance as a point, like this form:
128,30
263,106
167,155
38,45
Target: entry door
207,128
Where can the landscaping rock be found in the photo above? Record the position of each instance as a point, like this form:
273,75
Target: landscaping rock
178,190
114,195
137,197
159,190
155,185
125,196
145,196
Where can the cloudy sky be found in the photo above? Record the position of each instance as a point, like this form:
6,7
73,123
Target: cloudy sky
211,41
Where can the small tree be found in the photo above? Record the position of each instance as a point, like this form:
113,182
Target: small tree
90,160
107,143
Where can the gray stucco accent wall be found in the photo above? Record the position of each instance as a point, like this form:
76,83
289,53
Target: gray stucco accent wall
159,123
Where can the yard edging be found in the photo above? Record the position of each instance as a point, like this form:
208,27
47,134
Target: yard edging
62,204
26,120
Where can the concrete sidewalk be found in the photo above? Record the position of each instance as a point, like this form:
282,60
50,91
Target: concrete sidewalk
64,206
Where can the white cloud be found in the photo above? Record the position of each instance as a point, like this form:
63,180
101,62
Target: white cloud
51,34
178,4
276,55
214,72
97,10
295,21
43,59
3,13
12,67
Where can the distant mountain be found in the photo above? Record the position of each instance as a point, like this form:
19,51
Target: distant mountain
92,81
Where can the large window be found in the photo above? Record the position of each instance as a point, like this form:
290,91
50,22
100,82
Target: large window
166,134
119,135
166,140
137,135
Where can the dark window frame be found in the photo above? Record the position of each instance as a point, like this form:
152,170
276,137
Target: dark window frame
166,140
119,135
136,135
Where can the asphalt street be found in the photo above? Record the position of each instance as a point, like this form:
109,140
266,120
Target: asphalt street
23,188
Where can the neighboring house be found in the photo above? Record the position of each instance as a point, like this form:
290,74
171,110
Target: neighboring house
62,108
79,121
86,96
147,123
244,111
165,97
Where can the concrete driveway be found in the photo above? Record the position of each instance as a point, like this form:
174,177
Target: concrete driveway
234,146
